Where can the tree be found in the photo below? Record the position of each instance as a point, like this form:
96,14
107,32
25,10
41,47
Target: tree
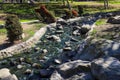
106,4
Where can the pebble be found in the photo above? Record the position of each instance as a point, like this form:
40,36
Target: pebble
28,71
57,61
19,66
67,49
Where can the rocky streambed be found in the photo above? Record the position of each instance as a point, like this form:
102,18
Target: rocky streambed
60,39
66,52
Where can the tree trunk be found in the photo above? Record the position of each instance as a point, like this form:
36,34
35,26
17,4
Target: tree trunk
106,4
69,6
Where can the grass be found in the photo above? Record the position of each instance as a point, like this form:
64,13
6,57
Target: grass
101,22
21,20
30,32
3,31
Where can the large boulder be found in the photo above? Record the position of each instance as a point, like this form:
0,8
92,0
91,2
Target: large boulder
114,20
81,76
70,68
107,68
6,75
97,48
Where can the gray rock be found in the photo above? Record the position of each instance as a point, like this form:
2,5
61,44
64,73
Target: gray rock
45,73
67,43
59,27
54,38
99,47
84,29
76,27
44,51
28,71
21,59
107,68
56,76
73,67
67,49
74,40
36,49
57,61
59,32
76,32
36,65
81,76
62,21
19,66
114,20
6,75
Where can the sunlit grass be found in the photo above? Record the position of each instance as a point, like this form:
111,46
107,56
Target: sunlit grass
101,22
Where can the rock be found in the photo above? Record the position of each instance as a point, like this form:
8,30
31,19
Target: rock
19,66
71,54
81,76
36,49
85,29
73,67
75,23
76,27
97,48
6,75
59,32
67,43
36,65
59,26
73,39
107,68
56,76
76,33
57,61
61,21
28,71
44,51
114,20
13,63
45,73
67,49
21,59
54,38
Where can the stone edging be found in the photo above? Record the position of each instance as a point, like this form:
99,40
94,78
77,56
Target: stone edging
24,46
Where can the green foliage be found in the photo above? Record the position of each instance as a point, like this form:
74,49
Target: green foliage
93,32
100,22
13,27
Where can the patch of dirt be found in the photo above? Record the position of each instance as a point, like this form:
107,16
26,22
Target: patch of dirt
108,31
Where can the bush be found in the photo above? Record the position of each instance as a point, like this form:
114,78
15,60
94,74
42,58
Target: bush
13,27
47,16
